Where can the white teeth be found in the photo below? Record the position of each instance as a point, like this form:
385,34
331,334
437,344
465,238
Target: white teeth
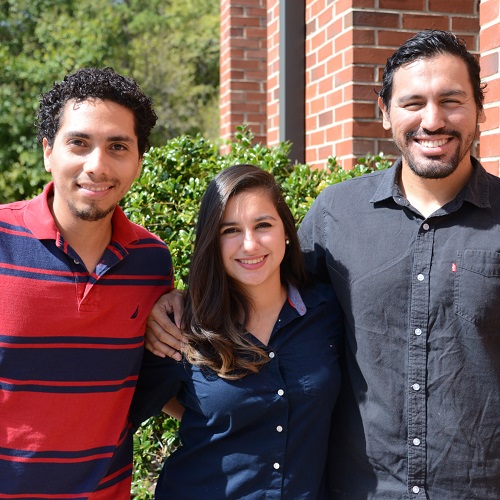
95,189
251,261
433,144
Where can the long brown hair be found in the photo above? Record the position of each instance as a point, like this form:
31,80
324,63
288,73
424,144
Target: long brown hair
216,338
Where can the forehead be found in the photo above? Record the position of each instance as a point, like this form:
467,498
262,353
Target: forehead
98,115
441,73
250,202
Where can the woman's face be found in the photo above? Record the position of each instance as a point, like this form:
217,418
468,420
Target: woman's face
252,240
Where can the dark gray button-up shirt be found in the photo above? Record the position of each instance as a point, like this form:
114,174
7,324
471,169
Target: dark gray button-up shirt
420,414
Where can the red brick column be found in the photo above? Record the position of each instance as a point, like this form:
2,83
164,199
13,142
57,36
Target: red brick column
490,55
243,67
273,62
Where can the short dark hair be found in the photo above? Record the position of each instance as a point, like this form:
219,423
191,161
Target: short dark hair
99,83
216,339
426,44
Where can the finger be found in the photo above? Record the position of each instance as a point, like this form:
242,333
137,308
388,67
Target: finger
177,300
160,349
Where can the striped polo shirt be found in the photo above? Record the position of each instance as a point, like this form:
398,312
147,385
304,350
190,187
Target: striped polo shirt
71,346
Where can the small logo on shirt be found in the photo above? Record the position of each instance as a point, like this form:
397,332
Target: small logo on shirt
136,312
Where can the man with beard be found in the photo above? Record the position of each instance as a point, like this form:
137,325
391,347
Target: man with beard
414,256
78,280
413,253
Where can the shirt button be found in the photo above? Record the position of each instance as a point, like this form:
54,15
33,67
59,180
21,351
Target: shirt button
281,392
420,277
76,262
418,331
416,387
271,354
426,227
279,428
276,465
415,489
416,441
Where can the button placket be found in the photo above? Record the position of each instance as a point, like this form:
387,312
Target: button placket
417,358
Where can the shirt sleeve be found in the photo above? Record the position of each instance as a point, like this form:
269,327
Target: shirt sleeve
313,241
158,382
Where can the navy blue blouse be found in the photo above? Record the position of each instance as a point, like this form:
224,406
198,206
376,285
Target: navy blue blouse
266,434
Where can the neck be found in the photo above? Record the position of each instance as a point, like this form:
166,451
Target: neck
428,195
88,239
265,309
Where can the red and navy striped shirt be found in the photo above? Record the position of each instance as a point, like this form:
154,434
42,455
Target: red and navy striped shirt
71,346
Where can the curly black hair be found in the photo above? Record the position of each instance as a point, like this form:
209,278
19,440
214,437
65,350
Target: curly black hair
100,83
426,44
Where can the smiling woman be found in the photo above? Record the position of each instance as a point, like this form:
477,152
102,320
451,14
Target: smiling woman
261,373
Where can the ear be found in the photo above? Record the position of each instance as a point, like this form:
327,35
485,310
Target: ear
139,168
386,122
47,151
481,116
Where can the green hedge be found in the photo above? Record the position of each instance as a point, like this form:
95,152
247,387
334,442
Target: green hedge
166,198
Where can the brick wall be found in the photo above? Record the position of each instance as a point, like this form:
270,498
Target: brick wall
489,47
243,67
347,45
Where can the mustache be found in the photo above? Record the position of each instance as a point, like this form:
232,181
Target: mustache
422,133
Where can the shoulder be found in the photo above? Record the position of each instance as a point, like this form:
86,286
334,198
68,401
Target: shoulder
144,234
493,180
12,216
363,186
318,294
323,310
132,235
9,210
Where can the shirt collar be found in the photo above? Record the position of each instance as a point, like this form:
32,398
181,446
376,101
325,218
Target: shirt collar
295,300
305,298
476,191
38,219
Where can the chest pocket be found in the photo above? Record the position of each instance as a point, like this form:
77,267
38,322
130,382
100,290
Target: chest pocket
316,368
477,287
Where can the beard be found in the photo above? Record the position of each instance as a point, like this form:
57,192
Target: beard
91,213
434,167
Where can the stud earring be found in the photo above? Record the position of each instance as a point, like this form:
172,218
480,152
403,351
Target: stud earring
287,241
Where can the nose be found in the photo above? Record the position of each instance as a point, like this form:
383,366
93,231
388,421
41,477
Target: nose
432,117
95,163
250,241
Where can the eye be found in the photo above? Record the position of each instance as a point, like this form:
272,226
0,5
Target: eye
452,102
263,225
76,142
413,106
119,147
229,230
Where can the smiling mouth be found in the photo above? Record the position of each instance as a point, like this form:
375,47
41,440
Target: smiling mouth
95,189
426,143
251,261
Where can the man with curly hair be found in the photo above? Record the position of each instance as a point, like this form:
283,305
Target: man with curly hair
78,280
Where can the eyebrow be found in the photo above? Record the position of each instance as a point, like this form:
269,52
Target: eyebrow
113,138
257,219
448,93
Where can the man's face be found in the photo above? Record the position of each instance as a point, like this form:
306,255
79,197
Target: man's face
433,115
93,161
